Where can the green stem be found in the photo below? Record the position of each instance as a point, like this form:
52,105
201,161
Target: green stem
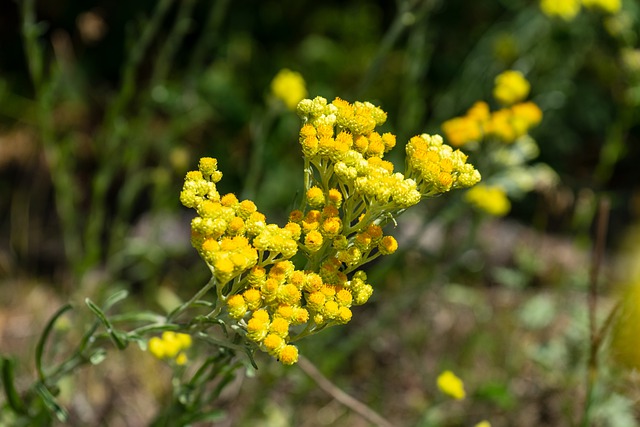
175,313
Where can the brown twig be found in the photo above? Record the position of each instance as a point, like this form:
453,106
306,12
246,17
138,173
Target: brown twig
596,261
595,335
349,401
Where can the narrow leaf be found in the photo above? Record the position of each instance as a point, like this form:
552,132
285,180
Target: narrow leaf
50,402
115,298
13,398
45,335
115,336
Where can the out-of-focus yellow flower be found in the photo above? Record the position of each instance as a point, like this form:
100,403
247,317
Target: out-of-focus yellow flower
625,339
484,423
565,9
607,6
451,385
170,346
289,86
492,200
511,87
468,128
509,124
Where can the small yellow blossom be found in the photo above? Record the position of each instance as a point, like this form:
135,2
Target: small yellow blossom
288,355
315,197
388,245
565,9
313,240
451,385
289,86
484,423
490,199
511,87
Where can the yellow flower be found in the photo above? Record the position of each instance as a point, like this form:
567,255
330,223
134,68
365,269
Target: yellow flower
484,423
315,197
492,200
288,355
625,337
450,384
511,87
289,87
607,6
313,240
170,346
387,245
565,9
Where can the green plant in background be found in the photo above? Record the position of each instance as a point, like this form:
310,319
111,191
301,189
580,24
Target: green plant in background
270,285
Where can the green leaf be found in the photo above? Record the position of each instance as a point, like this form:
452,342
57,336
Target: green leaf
7,366
209,416
45,335
50,402
115,298
117,337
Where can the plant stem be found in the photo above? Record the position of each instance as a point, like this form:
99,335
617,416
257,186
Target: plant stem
595,337
175,313
349,401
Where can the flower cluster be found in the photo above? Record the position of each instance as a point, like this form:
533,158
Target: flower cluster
506,124
569,9
171,346
350,194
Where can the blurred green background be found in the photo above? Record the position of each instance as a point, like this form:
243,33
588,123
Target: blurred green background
104,106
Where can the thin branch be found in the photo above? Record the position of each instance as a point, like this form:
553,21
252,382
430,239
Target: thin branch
596,262
334,391
595,335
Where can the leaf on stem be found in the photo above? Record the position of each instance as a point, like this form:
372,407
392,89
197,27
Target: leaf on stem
45,335
116,336
7,366
50,402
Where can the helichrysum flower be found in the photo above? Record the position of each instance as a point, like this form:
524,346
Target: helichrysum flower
490,199
351,193
451,385
564,9
511,87
289,87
